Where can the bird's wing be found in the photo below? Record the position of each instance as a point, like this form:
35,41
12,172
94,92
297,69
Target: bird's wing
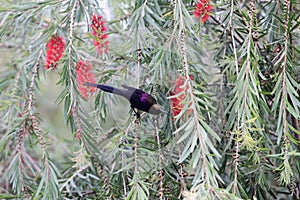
142,96
145,97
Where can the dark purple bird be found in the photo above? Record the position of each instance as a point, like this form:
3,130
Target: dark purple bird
137,98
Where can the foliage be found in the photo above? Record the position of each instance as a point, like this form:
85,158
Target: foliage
235,134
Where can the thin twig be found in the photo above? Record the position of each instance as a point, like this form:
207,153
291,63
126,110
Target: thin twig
31,87
237,146
72,20
160,159
136,144
190,90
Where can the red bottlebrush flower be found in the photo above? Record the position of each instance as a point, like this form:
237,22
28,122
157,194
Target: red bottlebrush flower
55,49
84,74
99,32
203,10
178,101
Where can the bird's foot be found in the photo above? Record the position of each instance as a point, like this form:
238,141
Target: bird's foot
138,115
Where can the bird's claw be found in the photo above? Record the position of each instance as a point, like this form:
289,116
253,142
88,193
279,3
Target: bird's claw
137,115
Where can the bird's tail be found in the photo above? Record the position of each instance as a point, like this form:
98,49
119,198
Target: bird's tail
105,88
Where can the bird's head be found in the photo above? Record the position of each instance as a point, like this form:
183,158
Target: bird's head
155,109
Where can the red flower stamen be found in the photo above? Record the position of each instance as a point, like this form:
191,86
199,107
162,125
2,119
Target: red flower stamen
203,10
99,32
55,49
178,101
84,74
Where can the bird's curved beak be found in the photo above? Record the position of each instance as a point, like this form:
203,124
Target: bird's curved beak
163,111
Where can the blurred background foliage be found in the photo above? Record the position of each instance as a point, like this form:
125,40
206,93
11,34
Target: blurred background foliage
227,72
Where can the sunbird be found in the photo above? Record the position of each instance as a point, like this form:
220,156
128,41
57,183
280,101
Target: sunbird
138,99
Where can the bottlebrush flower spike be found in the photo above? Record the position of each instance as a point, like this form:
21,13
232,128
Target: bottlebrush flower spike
55,49
84,74
203,10
178,101
99,32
